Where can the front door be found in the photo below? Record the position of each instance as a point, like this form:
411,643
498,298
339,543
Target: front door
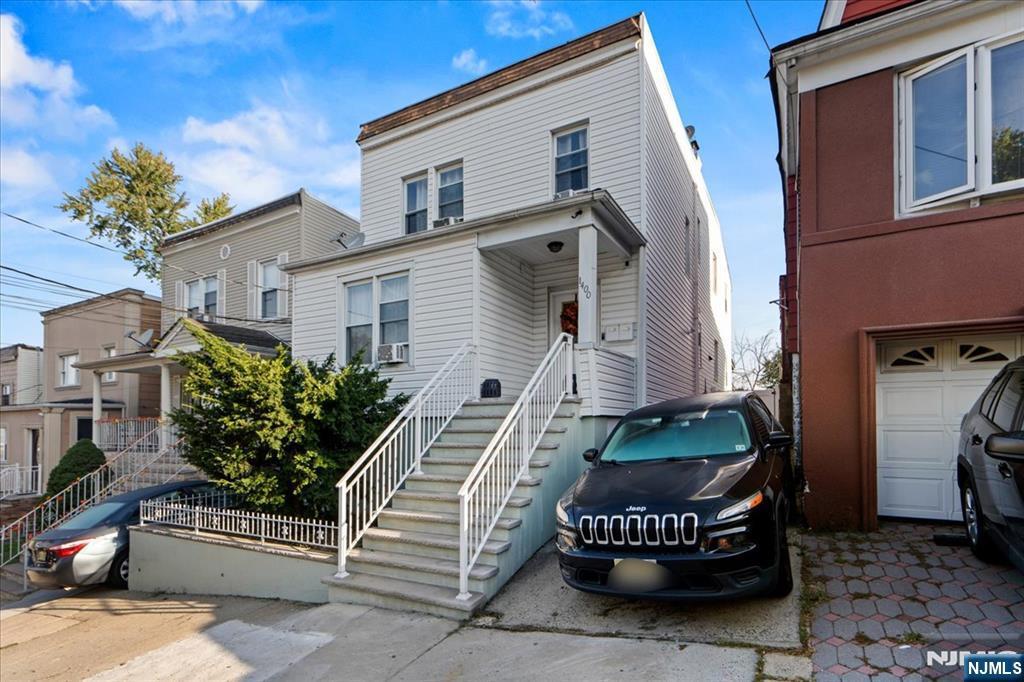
33,447
563,314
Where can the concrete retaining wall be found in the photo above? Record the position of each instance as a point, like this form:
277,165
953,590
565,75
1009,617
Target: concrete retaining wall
165,560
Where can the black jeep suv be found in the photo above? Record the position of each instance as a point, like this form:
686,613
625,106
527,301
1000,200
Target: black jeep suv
687,499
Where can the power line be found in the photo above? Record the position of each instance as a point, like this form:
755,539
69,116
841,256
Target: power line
753,16
164,263
115,298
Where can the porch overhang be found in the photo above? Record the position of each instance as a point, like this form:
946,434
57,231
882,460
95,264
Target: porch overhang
599,207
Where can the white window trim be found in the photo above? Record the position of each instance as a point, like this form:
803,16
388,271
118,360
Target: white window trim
281,288
438,171
109,377
61,374
553,158
201,282
424,176
374,280
979,126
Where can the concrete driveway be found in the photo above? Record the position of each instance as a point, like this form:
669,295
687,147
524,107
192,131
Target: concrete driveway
103,634
537,598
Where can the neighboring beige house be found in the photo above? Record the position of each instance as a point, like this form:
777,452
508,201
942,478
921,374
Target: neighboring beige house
52,401
21,382
225,274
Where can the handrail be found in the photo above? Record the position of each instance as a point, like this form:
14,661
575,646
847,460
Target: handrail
507,457
368,485
19,479
77,496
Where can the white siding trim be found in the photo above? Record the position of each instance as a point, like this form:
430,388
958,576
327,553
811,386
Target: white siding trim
284,287
252,291
222,283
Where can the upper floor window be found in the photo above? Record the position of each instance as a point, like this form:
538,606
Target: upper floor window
109,352
270,287
416,205
68,372
449,192
571,160
202,297
394,309
5,394
962,124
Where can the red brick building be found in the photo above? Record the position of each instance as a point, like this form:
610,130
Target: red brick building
901,135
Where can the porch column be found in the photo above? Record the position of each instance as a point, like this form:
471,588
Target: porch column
165,405
97,400
586,294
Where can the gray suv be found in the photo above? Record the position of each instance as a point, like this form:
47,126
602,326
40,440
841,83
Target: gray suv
990,467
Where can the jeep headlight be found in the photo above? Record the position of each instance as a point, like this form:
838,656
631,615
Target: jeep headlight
566,538
561,515
741,507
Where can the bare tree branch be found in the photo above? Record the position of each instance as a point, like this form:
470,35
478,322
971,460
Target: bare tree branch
756,362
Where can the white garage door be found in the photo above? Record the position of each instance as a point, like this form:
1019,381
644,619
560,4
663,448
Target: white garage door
923,389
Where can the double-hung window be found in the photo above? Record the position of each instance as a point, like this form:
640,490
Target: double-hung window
202,297
449,192
359,321
962,124
270,289
394,309
68,372
109,352
376,313
415,205
572,158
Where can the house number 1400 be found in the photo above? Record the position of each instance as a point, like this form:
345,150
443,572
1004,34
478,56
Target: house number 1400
585,288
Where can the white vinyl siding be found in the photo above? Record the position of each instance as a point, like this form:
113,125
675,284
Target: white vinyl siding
322,225
509,348
517,172
441,308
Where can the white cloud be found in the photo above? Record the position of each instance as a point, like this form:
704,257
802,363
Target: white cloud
468,61
267,151
40,94
22,171
525,19
186,11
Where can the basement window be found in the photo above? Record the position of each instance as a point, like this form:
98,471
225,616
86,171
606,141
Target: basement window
961,125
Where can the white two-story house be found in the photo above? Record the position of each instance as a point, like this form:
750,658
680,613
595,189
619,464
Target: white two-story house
547,218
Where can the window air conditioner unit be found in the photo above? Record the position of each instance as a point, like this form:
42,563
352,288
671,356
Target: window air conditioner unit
445,222
392,353
566,193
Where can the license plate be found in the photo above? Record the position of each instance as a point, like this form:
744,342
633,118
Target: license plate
639,575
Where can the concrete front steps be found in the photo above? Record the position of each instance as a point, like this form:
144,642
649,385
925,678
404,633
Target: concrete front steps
410,560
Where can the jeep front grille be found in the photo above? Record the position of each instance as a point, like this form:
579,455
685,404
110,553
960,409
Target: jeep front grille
634,530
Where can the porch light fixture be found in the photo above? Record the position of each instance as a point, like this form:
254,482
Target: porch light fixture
555,247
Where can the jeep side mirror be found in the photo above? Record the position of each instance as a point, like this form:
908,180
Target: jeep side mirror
590,455
1006,446
779,439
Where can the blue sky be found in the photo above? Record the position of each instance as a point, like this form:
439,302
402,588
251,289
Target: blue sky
259,98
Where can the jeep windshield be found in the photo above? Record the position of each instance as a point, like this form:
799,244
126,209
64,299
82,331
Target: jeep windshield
689,435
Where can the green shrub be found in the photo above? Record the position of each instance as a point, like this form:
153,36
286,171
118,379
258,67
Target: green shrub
81,458
278,431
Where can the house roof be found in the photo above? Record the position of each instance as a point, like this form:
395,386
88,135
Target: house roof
832,22
193,232
522,69
252,338
119,294
8,353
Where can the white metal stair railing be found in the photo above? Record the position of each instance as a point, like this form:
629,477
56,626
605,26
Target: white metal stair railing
368,485
117,434
18,479
505,460
118,475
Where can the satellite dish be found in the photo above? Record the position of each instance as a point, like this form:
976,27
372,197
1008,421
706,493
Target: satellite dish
690,132
143,339
354,241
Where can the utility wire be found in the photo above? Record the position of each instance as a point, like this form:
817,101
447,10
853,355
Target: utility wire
123,253
753,16
115,298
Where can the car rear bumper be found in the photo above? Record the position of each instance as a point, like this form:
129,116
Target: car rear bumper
74,571
690,577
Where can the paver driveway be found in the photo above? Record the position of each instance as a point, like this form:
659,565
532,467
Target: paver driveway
893,595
